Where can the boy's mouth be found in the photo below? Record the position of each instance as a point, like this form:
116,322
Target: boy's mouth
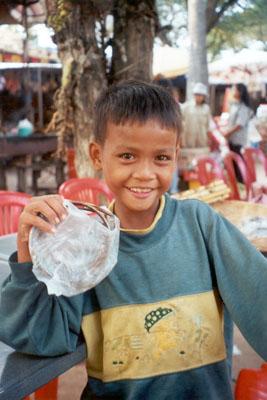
139,190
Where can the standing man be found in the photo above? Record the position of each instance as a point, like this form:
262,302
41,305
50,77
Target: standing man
196,118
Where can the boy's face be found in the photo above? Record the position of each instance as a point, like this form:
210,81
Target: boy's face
138,161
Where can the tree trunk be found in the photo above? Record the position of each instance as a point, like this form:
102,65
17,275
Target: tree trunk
83,75
134,32
198,66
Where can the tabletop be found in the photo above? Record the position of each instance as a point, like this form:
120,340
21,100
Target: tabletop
35,144
240,213
22,374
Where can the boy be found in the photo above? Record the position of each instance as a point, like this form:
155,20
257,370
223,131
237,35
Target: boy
154,327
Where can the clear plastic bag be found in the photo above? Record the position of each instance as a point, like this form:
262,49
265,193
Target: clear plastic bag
80,254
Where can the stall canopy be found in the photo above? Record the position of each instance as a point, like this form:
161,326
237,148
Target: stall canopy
169,61
246,66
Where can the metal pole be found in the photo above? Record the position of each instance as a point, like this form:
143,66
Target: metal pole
40,100
26,80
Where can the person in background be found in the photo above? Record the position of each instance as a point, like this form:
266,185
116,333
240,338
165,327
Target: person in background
25,127
196,119
261,126
263,141
240,114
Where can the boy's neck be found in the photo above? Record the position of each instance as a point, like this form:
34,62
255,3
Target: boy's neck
135,220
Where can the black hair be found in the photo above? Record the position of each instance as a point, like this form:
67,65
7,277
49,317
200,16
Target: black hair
135,101
244,96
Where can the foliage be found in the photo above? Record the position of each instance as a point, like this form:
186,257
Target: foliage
238,27
60,11
172,25
230,24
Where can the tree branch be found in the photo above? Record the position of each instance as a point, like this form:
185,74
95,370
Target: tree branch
213,16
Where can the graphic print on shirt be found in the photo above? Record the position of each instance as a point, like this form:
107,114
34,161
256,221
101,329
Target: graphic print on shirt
154,316
138,341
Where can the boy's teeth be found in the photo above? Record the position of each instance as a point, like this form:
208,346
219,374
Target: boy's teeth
140,190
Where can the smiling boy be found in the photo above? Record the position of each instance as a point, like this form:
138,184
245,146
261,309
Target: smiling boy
137,161
158,326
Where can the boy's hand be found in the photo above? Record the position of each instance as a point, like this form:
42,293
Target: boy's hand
43,212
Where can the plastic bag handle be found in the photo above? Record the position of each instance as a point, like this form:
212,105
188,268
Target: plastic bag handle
92,207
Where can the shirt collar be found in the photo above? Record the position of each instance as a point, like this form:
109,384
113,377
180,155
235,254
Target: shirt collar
149,228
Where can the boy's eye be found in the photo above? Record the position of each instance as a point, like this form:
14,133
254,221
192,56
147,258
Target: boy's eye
163,157
126,156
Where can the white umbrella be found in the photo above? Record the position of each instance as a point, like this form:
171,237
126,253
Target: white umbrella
169,61
247,66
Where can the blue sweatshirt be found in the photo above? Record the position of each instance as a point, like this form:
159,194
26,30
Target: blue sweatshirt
158,326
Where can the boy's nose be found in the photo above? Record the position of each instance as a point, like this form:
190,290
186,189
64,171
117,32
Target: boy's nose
144,171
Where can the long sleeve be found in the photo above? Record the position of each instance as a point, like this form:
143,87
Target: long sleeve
241,274
34,322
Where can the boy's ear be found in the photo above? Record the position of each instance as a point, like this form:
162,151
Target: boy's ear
95,155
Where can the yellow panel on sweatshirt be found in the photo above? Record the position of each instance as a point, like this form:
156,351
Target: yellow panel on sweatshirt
139,341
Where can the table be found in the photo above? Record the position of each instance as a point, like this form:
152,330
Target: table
238,211
8,245
21,374
28,149
36,144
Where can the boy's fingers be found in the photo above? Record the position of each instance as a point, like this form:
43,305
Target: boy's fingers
56,203
37,222
44,213
48,208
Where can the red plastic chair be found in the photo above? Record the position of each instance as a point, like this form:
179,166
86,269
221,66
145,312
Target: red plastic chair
231,175
251,154
209,170
89,190
46,392
252,384
11,206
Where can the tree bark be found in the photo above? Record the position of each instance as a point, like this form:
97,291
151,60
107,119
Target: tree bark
198,66
83,60
134,32
83,75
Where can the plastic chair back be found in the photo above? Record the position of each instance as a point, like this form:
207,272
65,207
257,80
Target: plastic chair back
72,173
11,206
229,160
208,170
252,384
251,154
89,190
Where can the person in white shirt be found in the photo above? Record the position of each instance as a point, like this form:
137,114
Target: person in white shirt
196,119
240,114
